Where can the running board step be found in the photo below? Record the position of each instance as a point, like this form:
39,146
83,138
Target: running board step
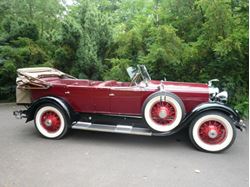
123,129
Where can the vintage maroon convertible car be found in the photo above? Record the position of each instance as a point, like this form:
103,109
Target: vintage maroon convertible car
57,102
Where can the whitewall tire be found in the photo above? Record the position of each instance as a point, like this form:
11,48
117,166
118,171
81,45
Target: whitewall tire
163,111
212,132
51,121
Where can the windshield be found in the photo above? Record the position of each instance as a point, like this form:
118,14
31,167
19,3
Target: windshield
144,72
138,74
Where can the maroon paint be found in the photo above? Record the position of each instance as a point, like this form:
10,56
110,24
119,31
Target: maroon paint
113,97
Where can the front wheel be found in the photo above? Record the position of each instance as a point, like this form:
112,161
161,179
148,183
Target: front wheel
163,111
51,121
212,132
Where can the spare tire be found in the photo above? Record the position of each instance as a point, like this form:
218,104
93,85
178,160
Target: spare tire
163,111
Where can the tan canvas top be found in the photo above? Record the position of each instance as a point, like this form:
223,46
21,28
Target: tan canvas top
29,78
39,72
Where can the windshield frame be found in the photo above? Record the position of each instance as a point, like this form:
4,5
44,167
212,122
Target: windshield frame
140,71
144,73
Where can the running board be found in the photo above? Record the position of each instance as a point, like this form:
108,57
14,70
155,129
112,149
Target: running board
123,129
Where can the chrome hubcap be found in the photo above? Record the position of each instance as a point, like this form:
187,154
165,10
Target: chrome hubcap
48,122
162,114
212,133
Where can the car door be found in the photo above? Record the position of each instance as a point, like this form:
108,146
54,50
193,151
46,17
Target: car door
101,99
89,99
125,100
80,97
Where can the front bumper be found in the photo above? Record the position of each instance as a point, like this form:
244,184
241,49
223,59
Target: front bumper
241,125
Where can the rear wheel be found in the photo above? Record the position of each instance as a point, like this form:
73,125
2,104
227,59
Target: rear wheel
163,111
51,121
212,132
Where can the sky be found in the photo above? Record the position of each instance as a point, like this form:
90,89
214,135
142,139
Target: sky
68,2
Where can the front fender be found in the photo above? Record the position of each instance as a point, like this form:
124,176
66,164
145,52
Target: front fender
213,106
30,112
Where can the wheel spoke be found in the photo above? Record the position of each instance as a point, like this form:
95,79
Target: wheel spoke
163,113
212,132
50,121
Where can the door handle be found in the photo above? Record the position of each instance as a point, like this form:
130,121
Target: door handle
111,94
67,92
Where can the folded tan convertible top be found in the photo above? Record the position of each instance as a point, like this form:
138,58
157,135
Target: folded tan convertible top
41,72
30,78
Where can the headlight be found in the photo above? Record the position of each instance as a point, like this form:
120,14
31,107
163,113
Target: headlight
222,97
213,91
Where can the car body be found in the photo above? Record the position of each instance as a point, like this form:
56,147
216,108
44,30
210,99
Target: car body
57,101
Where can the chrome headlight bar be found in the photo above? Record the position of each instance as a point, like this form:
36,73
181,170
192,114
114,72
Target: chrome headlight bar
222,97
215,94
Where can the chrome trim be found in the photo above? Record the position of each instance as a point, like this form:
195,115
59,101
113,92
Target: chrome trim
123,129
222,96
210,83
212,133
213,91
19,114
161,86
242,126
124,116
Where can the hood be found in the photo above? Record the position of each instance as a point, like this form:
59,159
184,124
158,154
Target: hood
180,86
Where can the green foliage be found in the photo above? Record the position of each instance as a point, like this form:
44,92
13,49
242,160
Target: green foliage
93,44
18,28
68,42
118,70
180,40
165,53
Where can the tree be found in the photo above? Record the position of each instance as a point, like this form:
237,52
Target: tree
94,42
68,40
181,40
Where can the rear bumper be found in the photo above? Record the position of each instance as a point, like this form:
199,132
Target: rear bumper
19,114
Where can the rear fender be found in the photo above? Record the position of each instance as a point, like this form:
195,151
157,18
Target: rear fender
30,112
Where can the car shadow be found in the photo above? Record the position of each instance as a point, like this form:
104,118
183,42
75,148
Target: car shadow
74,136
181,139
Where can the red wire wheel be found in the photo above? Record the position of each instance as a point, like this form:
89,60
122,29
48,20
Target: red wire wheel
163,113
212,132
50,121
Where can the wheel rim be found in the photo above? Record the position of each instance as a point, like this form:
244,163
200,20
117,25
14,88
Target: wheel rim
212,132
163,113
50,121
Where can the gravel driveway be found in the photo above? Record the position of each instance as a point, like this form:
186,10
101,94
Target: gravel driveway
104,159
